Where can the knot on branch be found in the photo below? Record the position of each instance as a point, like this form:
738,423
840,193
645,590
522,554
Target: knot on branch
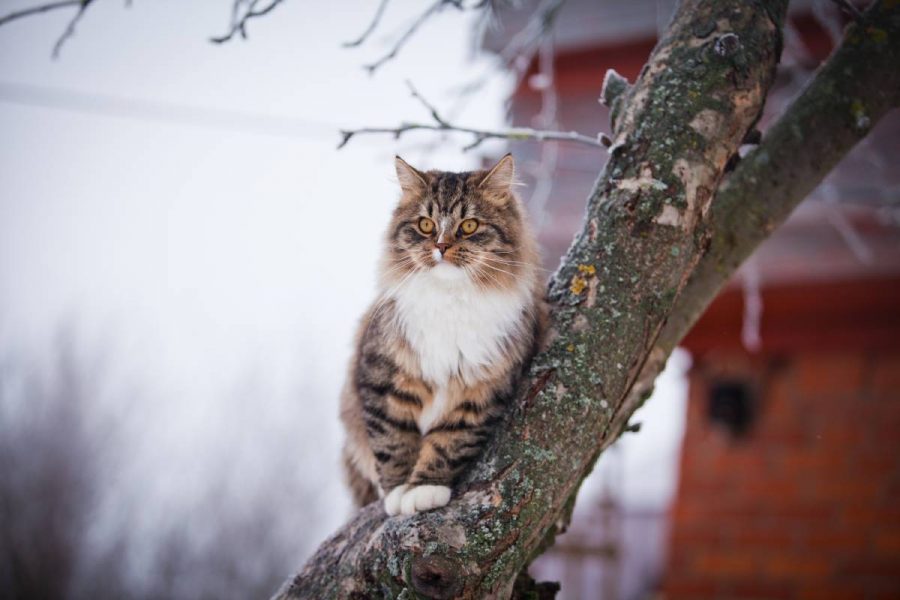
436,576
727,45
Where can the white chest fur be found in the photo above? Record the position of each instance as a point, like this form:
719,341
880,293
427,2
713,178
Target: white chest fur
455,327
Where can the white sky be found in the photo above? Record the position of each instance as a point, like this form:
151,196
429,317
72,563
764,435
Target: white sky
223,270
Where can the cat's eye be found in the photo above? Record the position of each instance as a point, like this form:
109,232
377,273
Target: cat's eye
469,226
426,225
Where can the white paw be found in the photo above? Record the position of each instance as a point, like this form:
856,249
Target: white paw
424,497
392,500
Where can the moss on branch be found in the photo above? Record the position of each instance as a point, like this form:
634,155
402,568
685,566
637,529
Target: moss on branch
842,103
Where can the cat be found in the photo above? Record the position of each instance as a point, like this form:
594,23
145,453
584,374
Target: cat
460,312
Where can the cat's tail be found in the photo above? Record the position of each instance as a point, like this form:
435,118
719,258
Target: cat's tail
362,490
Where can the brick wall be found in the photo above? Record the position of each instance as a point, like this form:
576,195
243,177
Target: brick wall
806,502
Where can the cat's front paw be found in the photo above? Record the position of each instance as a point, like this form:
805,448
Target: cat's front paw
392,500
424,497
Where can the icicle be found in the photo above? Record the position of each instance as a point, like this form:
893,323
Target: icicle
753,307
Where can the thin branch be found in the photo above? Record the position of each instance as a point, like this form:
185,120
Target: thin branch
365,34
518,53
478,135
428,105
34,10
434,8
67,33
239,21
70,28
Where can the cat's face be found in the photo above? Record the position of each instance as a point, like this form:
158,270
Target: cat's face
458,226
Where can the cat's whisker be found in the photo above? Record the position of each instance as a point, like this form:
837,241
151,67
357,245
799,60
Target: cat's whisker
388,294
493,277
511,274
400,266
517,263
473,276
396,269
505,261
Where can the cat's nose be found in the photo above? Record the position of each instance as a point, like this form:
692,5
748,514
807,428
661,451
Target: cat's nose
442,246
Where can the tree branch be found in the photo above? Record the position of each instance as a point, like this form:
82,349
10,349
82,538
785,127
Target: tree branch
365,34
434,8
478,135
70,28
239,21
848,96
680,122
67,33
34,10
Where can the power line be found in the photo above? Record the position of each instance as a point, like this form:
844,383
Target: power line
168,112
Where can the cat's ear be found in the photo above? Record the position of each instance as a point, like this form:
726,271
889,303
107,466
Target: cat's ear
412,181
501,177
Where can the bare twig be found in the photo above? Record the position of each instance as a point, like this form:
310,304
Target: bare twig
479,135
239,21
365,34
70,28
68,32
518,53
432,9
34,10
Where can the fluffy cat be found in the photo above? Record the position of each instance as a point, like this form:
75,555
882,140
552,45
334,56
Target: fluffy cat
438,355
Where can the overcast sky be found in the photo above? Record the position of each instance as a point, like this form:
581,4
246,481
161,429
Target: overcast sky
182,206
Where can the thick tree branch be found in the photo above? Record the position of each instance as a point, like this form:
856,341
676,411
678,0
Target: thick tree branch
702,89
843,102
851,92
478,135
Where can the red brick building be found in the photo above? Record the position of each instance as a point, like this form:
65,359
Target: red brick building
790,466
791,460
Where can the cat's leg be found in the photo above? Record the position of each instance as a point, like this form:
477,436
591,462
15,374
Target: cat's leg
361,488
395,445
446,450
389,411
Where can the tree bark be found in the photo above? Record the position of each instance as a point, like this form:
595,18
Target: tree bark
654,245
858,85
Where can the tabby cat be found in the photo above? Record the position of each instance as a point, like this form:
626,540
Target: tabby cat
438,355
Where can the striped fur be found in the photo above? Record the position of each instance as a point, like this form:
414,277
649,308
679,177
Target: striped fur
439,353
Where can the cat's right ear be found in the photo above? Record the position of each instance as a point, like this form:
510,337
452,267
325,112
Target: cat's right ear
412,181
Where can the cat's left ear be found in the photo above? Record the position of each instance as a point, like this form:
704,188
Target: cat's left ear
501,177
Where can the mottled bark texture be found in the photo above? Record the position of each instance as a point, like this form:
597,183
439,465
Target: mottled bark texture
858,85
651,227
